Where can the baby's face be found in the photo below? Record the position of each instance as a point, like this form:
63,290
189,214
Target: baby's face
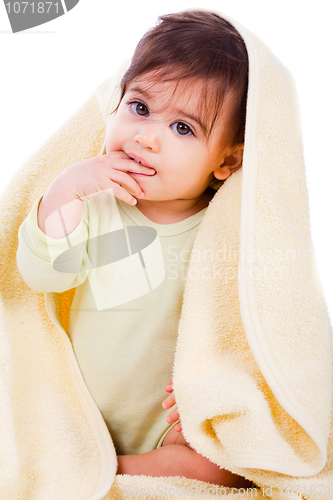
167,136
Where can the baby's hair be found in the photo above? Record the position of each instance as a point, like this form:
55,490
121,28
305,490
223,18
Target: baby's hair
197,45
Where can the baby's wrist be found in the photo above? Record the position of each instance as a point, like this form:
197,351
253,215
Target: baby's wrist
59,211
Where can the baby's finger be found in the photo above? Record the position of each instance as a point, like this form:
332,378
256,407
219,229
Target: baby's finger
121,193
178,427
169,401
116,154
129,165
172,416
169,387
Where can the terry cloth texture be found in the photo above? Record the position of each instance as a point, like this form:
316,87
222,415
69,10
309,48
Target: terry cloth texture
253,364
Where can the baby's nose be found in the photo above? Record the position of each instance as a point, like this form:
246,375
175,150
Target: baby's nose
148,137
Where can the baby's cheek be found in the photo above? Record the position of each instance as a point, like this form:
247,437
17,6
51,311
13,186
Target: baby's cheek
113,136
108,141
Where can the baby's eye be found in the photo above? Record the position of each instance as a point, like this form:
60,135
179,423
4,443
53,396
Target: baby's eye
139,108
181,128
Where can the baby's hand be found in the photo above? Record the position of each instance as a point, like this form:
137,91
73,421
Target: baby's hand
109,173
105,173
168,403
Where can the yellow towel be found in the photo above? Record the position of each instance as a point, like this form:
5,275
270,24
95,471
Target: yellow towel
253,364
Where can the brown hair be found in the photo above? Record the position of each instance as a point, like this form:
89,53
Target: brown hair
197,45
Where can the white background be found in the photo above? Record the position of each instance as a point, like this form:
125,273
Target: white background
47,72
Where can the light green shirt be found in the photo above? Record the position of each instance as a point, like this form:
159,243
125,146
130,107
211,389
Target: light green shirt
126,308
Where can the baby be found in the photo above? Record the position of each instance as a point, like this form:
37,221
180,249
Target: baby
176,135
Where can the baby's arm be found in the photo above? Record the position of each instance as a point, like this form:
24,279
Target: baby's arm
52,226
37,252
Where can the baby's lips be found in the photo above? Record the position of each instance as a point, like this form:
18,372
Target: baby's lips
142,162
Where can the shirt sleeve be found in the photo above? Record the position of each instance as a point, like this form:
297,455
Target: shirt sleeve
53,265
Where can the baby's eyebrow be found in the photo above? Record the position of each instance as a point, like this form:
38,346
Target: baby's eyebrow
195,118
139,90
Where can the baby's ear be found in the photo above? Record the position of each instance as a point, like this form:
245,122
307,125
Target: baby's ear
236,156
232,161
